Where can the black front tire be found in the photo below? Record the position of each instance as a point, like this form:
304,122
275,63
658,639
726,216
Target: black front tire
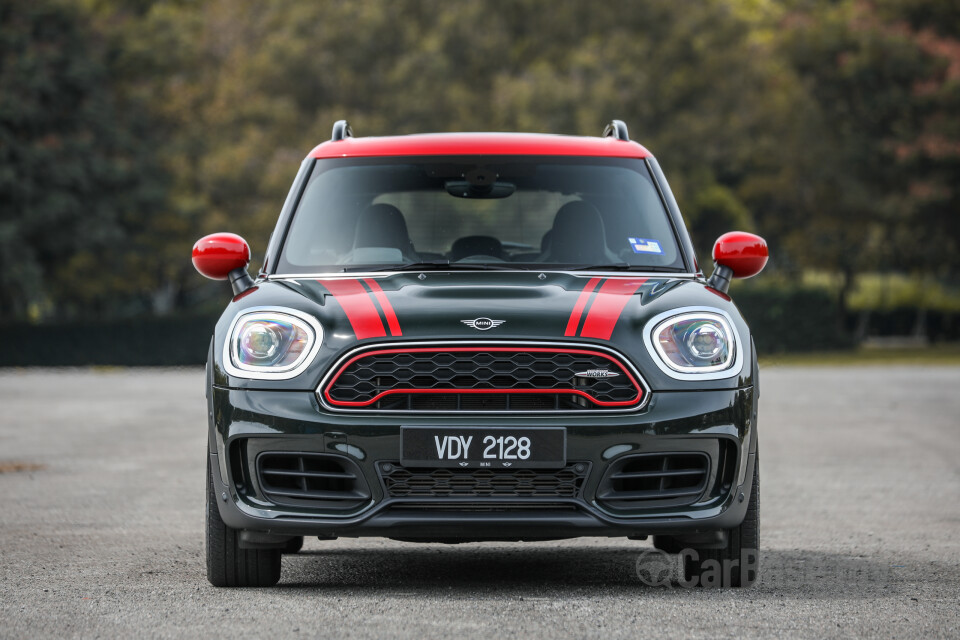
737,564
293,545
227,564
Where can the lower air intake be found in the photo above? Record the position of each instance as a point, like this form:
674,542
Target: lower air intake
655,479
311,480
401,482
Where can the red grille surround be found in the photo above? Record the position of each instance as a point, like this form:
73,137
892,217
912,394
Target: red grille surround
545,371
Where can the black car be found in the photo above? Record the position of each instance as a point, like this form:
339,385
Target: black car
468,337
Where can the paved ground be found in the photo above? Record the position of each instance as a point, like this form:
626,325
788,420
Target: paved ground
861,529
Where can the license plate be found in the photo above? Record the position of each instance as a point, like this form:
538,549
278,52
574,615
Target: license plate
477,447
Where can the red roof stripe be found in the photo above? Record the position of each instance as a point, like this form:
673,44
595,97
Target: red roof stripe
457,144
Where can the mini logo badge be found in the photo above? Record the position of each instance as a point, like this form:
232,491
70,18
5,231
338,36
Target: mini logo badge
483,324
597,373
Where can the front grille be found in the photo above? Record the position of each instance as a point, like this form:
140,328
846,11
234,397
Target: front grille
655,479
400,482
311,479
483,379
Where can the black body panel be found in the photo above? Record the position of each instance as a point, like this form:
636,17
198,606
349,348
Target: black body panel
679,459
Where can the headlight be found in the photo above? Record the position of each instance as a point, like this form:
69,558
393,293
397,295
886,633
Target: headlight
693,344
271,344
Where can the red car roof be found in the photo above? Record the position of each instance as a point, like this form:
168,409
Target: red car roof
455,144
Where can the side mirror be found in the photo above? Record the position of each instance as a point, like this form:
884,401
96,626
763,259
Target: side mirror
737,254
224,256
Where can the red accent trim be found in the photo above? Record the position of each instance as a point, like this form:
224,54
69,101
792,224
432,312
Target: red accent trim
574,320
388,311
457,144
217,254
241,296
745,253
620,366
607,307
358,305
718,294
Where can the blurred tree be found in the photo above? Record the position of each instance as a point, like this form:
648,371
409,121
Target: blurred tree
261,82
871,182
73,178
926,228
239,91
828,125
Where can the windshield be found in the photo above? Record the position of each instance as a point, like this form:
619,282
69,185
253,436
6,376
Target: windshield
492,212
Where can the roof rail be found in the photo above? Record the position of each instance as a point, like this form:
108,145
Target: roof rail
341,130
616,129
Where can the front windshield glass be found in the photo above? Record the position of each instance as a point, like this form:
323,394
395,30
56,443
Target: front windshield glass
490,212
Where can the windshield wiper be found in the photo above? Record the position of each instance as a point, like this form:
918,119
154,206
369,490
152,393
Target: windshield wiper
623,266
446,265
437,265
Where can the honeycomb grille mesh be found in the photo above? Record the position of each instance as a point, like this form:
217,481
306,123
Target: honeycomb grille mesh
483,380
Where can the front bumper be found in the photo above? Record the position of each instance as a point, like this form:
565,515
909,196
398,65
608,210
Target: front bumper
720,425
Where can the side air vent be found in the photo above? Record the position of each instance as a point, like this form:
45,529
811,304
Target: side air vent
655,479
311,480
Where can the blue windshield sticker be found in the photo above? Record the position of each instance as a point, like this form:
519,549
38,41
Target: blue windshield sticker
645,245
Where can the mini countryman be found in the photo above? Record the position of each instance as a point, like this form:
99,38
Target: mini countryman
474,337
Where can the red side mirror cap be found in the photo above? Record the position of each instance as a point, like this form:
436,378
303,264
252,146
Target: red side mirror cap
216,255
743,253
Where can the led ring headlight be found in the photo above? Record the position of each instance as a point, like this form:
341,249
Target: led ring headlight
271,343
694,343
705,340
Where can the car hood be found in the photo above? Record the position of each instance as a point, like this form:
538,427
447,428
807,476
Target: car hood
471,305
609,310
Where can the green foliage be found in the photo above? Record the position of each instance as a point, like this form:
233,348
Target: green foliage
73,176
129,129
873,182
143,341
792,319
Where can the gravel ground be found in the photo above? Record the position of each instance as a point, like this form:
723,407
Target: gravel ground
101,489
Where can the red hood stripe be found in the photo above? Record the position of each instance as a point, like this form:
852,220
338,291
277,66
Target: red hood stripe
612,297
358,305
574,320
384,302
